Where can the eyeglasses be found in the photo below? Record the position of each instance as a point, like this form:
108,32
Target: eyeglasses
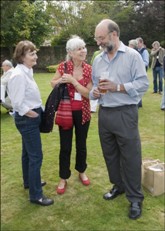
101,38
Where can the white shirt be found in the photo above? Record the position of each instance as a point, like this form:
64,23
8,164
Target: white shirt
4,83
23,90
6,75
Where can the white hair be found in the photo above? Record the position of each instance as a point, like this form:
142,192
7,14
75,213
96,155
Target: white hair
133,42
7,63
74,43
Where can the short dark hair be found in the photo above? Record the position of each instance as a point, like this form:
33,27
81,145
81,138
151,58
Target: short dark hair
21,49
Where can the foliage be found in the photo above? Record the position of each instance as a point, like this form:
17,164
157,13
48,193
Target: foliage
22,20
38,20
134,18
149,21
80,208
52,68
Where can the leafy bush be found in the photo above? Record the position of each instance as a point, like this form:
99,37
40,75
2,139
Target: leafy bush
52,68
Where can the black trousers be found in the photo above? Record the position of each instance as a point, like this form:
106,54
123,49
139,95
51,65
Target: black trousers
66,136
120,141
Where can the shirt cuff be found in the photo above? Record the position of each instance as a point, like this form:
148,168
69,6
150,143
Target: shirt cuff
130,90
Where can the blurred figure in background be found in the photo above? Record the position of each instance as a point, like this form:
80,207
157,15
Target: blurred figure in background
162,106
7,68
157,54
94,103
143,51
133,44
145,56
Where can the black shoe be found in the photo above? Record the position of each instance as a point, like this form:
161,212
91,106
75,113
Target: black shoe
135,210
114,192
42,184
44,201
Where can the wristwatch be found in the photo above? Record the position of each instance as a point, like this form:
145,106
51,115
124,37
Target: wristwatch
118,87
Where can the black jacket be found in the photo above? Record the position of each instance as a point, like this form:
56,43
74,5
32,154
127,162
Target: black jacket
51,106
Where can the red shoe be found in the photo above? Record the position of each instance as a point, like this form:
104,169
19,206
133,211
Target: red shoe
84,182
62,190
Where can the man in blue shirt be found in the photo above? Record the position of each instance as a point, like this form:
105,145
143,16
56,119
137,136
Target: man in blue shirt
118,113
145,56
143,51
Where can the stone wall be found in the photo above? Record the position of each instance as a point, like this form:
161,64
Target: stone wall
47,56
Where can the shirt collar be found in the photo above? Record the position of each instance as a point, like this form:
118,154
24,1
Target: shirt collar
28,71
122,48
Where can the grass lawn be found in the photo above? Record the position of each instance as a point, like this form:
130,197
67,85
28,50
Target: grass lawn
80,208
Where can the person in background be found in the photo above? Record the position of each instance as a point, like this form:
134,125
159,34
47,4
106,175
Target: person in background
94,103
162,106
7,68
143,51
133,44
26,102
145,56
78,80
118,113
157,54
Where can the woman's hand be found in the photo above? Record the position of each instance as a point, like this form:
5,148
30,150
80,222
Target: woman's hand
67,78
32,114
96,93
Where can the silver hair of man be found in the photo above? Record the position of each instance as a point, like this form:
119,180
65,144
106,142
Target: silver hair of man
133,42
7,63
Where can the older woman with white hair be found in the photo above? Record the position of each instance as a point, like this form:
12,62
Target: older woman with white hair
78,80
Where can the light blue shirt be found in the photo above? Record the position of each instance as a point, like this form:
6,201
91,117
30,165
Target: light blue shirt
125,68
23,90
145,57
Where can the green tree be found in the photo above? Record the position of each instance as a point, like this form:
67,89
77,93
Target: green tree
23,20
144,18
76,17
33,20
150,19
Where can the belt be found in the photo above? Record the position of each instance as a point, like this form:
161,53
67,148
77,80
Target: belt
118,108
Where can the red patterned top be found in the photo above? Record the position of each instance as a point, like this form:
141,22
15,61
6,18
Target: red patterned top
76,104
87,71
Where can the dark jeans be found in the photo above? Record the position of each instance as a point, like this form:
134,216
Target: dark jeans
120,142
31,152
66,136
158,72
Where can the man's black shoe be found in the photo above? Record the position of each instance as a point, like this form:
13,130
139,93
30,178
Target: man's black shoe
114,192
135,210
42,184
44,201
